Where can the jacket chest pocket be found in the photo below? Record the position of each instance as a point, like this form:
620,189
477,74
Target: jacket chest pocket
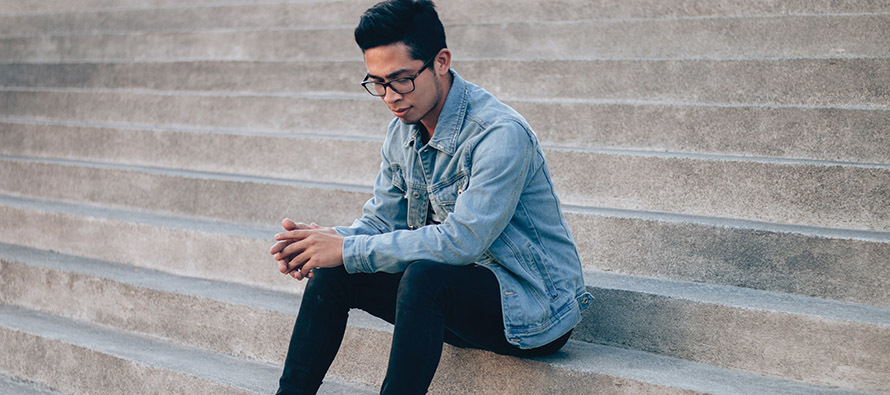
414,194
445,194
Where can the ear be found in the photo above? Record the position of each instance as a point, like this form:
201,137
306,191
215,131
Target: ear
443,62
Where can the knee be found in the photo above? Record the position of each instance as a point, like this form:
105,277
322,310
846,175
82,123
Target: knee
324,281
422,278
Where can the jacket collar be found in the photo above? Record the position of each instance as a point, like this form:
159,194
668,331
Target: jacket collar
450,119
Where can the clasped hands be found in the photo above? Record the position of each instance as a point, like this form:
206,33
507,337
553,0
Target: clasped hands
301,248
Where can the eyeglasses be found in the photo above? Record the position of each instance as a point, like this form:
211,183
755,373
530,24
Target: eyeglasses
400,86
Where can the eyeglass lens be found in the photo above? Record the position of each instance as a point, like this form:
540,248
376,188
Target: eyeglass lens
401,86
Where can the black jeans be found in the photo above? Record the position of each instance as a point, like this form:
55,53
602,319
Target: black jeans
430,303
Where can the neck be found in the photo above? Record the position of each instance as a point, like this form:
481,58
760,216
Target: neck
430,121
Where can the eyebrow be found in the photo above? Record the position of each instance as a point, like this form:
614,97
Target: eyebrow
389,76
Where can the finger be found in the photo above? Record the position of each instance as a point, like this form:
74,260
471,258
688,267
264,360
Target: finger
297,234
289,224
282,267
306,268
314,226
297,263
279,246
292,249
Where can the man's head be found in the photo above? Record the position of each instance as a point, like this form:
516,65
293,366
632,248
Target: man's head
401,40
412,22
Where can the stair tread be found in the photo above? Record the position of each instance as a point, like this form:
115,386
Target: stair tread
216,367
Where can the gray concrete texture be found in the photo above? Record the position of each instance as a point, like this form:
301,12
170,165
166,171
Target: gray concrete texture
812,194
101,16
843,36
689,114
52,350
11,385
836,83
837,264
832,134
264,13
142,301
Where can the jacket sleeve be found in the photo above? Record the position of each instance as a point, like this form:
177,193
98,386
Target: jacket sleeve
502,160
385,211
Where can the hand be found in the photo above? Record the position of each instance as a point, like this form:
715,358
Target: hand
304,247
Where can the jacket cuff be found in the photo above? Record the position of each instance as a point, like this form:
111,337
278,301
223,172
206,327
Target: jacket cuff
354,258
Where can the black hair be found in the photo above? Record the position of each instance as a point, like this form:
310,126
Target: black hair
413,22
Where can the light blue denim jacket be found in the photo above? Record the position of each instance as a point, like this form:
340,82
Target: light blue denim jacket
485,175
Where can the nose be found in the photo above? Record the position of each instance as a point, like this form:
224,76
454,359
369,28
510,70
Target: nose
391,96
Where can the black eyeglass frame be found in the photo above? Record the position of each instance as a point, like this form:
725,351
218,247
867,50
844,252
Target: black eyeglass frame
373,91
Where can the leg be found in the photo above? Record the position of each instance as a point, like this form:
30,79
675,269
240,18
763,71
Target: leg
321,322
437,302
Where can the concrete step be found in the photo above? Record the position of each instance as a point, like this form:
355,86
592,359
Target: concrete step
142,17
837,83
829,263
810,36
698,321
85,358
810,193
833,134
180,245
177,14
12,385
122,17
579,369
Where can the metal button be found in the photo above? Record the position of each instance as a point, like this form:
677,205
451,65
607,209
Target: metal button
417,195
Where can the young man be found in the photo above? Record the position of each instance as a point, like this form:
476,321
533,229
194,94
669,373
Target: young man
464,240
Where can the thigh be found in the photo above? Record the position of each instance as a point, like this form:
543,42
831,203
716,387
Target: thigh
469,299
374,293
471,305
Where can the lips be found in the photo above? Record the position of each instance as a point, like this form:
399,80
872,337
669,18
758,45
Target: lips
401,112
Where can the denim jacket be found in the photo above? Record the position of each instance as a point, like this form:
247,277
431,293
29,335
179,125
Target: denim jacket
484,175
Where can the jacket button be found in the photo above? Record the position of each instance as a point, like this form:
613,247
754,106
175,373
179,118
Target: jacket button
417,195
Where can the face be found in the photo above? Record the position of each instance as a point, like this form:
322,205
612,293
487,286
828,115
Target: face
390,62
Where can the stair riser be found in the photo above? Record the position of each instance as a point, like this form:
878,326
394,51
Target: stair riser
808,82
797,36
242,331
268,16
183,252
243,201
833,134
833,268
809,349
824,196
62,365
